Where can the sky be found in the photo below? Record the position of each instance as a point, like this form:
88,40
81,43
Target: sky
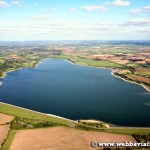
22,20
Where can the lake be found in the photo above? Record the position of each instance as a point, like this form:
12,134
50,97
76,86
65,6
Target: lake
77,92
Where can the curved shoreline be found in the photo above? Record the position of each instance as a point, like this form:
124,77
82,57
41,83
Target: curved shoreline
5,74
111,126
112,73
51,115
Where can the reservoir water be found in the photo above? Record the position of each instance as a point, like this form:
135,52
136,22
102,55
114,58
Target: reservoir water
77,92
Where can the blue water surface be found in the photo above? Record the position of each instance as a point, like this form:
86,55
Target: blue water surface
77,92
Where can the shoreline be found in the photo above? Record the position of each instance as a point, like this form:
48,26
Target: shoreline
5,73
51,115
112,73
111,126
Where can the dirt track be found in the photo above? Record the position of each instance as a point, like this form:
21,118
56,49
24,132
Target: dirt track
61,138
5,118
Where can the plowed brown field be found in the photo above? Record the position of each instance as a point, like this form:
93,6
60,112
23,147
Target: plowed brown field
140,69
5,118
3,133
62,138
142,79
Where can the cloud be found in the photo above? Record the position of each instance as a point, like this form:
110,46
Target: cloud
135,11
4,4
145,9
146,31
94,7
39,17
138,22
72,9
71,30
17,2
119,3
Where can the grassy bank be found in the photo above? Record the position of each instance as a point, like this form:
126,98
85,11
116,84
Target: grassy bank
9,140
88,62
17,67
129,78
128,130
25,115
15,111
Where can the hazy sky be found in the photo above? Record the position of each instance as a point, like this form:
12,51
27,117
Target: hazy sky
74,19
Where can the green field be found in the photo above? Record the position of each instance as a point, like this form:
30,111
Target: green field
132,65
9,140
88,62
102,63
128,130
